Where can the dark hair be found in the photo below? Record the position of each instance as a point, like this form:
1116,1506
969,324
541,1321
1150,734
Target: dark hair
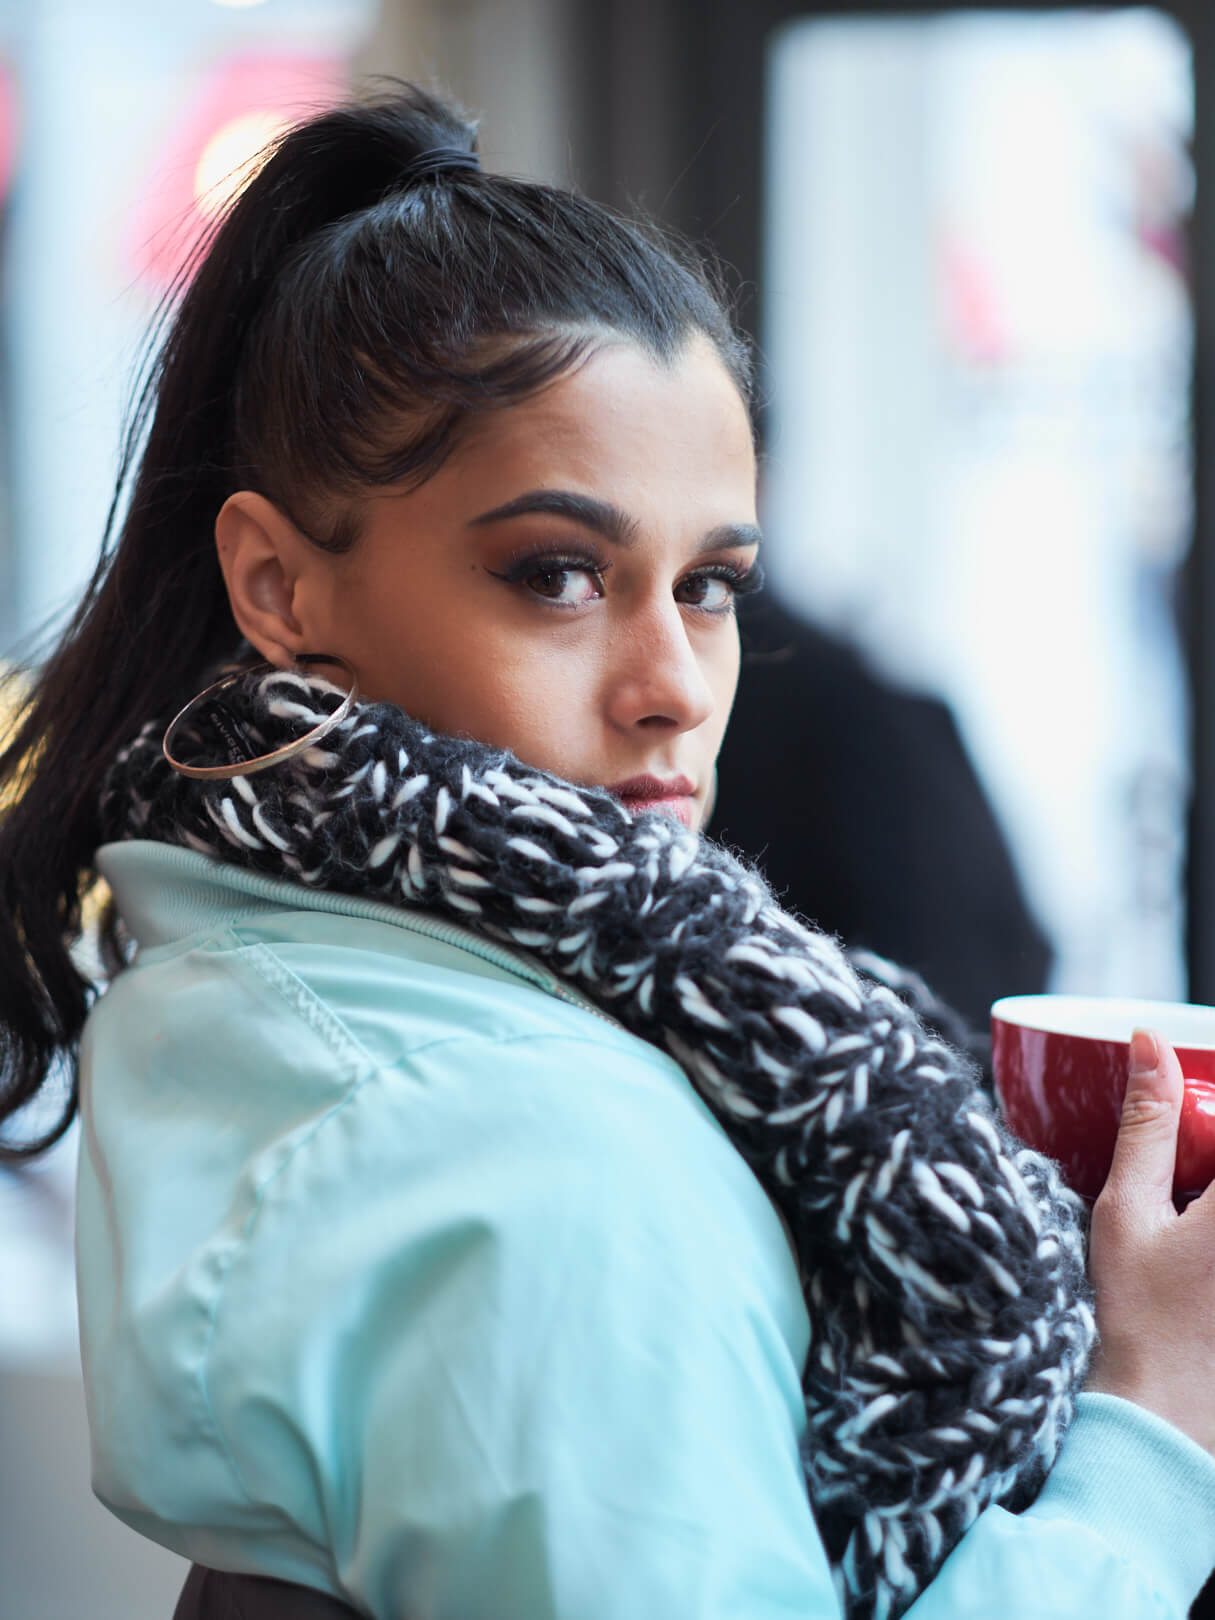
352,311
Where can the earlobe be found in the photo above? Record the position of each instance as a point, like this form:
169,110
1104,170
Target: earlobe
260,554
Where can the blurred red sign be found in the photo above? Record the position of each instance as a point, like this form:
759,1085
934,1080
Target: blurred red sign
213,149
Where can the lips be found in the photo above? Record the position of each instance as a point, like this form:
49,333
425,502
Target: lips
673,796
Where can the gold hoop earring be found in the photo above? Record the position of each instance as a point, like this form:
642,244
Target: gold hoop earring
263,762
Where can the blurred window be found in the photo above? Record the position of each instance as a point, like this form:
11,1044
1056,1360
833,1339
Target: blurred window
134,123
980,335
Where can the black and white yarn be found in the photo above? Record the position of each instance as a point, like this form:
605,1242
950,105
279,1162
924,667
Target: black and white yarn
942,1263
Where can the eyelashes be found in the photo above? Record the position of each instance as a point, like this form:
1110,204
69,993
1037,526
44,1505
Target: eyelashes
551,564
738,582
743,581
544,571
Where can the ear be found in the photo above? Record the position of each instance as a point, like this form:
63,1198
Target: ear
262,555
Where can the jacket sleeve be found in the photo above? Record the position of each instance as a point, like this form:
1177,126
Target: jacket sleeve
565,1385
1124,1529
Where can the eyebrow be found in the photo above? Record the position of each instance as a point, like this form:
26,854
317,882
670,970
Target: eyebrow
604,519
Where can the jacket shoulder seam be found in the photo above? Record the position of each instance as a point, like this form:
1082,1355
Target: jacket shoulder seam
370,1069
320,1017
329,1025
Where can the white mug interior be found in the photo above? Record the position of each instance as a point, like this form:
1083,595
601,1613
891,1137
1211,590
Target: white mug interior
1111,1018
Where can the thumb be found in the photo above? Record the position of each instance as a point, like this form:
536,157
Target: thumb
1146,1150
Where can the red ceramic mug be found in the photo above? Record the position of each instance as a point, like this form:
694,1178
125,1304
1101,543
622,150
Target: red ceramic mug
1060,1066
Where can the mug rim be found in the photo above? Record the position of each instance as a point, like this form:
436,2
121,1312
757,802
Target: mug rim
1109,1018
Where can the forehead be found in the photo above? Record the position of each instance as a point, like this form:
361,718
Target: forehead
625,425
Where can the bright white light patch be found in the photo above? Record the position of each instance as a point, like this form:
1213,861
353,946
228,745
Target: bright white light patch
233,155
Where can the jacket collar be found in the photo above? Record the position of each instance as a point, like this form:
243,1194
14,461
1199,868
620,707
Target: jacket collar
165,894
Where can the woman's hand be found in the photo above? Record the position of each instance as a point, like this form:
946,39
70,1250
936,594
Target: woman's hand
1154,1270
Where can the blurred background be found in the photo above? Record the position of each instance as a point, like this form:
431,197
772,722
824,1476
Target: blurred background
974,731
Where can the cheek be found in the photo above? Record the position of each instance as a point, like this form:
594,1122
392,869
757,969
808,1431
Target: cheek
447,650
538,703
721,670
523,694
722,673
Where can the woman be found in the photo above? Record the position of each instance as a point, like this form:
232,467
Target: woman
413,1266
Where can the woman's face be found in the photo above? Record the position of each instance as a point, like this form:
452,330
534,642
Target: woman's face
564,587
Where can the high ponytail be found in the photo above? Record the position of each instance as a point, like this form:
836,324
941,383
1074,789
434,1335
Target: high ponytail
330,336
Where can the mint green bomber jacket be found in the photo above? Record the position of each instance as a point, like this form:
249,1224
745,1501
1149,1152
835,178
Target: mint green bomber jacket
406,1274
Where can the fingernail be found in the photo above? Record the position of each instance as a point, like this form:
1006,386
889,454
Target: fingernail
1145,1054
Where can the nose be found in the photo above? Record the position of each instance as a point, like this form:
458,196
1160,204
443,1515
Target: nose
655,679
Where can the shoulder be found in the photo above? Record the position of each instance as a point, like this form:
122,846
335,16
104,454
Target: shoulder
392,1260
276,1032
399,1150
314,1011
543,1140
509,1288
382,979
542,1298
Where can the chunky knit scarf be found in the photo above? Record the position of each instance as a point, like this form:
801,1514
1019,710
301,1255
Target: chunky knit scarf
942,1263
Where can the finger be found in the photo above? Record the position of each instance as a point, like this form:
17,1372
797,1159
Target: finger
1145,1152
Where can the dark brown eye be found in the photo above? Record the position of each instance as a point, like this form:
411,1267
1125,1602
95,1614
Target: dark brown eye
565,581
550,583
569,586
709,591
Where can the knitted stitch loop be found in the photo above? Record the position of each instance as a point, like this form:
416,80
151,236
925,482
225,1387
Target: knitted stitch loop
942,1263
